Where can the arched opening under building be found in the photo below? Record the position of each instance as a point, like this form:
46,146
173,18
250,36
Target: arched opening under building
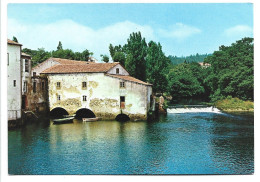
84,113
58,112
122,117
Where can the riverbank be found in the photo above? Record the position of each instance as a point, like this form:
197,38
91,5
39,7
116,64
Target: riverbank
235,105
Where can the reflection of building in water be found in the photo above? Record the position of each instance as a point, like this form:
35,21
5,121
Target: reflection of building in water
128,146
95,132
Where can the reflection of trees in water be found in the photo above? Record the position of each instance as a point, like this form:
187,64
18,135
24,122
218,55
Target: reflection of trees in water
232,144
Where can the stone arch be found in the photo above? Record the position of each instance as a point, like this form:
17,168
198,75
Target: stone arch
84,113
58,112
122,117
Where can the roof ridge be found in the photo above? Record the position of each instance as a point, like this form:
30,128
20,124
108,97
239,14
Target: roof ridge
127,76
81,68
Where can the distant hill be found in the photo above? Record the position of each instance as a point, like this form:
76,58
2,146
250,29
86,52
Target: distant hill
189,59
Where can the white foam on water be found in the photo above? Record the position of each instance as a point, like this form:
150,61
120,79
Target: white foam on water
193,110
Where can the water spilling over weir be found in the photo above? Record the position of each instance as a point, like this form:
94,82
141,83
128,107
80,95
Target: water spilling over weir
192,109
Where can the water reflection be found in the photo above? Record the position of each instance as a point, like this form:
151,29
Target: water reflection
202,143
233,143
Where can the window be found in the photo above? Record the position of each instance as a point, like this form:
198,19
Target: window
84,84
25,86
58,97
14,83
43,85
7,58
26,65
122,84
122,102
58,84
84,98
117,71
34,87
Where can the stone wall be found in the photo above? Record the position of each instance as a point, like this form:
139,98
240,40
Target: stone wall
103,95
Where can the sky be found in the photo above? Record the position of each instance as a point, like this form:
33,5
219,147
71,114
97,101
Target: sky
181,29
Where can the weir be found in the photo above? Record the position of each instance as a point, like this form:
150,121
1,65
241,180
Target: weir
192,109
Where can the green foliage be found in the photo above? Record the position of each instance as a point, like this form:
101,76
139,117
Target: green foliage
231,72
119,57
111,50
115,49
184,81
63,53
86,54
165,104
41,55
105,58
137,47
15,39
234,104
157,65
130,64
38,55
188,59
134,52
59,47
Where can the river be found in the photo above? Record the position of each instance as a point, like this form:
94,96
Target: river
179,143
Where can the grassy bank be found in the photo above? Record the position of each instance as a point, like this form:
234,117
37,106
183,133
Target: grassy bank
234,104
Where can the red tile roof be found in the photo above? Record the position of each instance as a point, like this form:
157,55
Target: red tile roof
69,61
13,42
80,68
63,61
129,78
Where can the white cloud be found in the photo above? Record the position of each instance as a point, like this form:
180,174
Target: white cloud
75,36
239,31
179,31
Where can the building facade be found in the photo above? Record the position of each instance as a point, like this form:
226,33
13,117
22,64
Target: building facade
106,89
26,80
14,80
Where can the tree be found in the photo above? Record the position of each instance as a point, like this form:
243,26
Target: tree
77,56
130,64
183,83
86,54
157,67
40,56
15,39
111,50
59,47
136,46
105,58
63,53
232,69
119,57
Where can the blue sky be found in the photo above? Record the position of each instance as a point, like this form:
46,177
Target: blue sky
182,29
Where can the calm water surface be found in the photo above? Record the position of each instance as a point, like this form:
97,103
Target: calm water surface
191,143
